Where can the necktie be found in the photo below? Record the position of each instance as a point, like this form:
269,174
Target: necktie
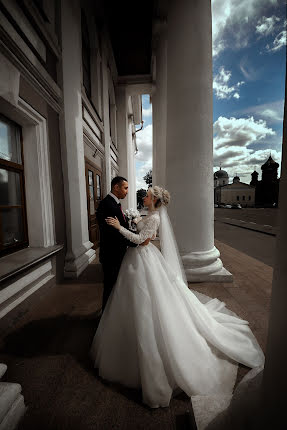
122,211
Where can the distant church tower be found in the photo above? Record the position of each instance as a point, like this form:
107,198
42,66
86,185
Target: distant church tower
269,171
254,180
267,189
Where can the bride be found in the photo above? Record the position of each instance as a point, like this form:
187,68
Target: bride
155,333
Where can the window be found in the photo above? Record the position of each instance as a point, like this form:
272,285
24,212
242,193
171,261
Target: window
223,182
243,198
86,52
13,227
99,190
237,198
249,197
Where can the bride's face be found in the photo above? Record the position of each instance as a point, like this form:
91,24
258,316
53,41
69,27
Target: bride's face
148,199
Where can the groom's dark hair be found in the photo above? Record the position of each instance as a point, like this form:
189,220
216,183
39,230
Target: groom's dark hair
117,180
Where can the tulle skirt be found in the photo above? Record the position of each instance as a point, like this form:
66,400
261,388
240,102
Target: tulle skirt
157,335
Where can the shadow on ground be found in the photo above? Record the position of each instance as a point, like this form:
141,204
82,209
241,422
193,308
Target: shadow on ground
50,359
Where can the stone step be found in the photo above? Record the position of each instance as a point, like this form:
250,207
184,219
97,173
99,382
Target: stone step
3,368
8,394
14,415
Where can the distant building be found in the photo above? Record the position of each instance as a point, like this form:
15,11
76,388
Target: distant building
268,188
220,178
237,192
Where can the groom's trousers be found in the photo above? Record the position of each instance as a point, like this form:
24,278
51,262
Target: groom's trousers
111,271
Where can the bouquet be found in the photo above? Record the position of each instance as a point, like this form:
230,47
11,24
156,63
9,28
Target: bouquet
133,216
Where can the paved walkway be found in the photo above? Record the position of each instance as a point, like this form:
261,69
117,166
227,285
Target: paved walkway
47,352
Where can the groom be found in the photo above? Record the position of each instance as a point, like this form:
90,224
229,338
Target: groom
113,245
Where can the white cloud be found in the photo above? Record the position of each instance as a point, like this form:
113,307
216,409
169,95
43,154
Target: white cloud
231,22
147,112
232,140
141,169
239,132
144,144
266,26
272,112
144,155
221,88
278,42
247,70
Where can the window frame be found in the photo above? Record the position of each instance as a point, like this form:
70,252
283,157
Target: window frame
17,168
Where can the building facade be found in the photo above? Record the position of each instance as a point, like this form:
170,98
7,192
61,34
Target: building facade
235,193
67,128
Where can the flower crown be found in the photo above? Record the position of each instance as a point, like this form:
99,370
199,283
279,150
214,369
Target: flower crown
161,194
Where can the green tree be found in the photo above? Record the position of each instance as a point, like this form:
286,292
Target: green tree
148,178
140,195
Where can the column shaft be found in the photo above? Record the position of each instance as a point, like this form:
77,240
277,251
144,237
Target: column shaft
189,151
160,109
79,251
275,371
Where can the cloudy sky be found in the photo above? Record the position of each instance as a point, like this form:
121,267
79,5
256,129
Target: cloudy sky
249,39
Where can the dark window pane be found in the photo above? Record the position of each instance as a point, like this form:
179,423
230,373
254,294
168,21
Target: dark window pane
10,145
91,178
99,194
10,188
11,226
92,200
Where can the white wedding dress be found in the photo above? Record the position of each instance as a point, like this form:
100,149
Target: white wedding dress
157,335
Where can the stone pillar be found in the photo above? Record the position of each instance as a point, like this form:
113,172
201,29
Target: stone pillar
159,104
79,252
189,150
131,197
275,371
126,145
106,120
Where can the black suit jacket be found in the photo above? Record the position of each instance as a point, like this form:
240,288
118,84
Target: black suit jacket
113,244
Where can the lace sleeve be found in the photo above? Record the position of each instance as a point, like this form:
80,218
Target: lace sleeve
148,231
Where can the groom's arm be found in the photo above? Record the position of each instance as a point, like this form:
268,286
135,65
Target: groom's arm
104,211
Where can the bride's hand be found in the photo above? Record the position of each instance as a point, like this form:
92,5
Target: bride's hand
114,222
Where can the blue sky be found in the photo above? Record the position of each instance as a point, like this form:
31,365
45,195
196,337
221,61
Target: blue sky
249,54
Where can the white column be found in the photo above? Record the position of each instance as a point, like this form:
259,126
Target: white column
122,128
159,111
131,197
126,145
106,119
275,371
189,151
79,252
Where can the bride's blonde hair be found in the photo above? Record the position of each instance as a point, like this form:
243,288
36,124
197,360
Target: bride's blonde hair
162,196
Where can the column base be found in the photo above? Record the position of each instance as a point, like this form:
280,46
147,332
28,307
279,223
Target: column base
205,266
76,265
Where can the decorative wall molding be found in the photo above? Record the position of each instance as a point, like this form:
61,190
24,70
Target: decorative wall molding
38,178
16,51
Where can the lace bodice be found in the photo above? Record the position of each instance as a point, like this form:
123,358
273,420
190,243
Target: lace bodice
148,228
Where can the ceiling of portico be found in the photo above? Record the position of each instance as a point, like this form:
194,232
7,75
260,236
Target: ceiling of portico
130,25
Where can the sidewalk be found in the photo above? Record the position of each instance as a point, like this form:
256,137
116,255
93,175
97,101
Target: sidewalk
265,228
47,352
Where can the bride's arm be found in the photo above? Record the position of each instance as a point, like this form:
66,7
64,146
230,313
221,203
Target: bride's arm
147,232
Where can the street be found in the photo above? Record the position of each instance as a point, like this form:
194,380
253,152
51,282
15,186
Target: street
255,244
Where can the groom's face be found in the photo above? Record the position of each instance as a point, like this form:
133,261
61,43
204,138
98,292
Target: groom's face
121,190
